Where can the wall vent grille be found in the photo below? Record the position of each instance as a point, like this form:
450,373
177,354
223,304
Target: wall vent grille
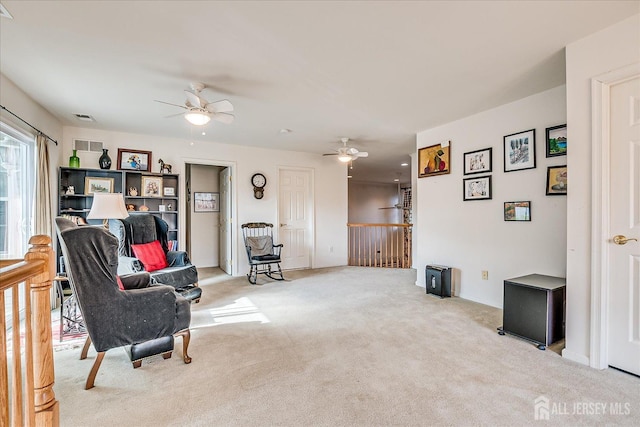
87,145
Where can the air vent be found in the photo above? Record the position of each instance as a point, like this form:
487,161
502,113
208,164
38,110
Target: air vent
84,117
87,145
4,12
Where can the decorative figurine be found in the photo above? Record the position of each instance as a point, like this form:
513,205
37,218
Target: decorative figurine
169,206
131,208
143,208
164,167
133,191
71,190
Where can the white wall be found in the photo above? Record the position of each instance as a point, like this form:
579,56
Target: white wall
606,50
366,199
472,236
205,226
330,183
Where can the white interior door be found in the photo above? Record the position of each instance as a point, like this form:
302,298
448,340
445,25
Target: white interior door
624,258
225,258
295,209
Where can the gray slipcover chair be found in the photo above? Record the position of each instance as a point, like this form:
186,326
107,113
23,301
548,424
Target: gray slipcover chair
143,316
142,228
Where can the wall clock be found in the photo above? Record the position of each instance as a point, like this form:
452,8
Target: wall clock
259,181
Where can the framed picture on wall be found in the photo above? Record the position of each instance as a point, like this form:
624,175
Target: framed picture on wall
557,180
478,161
520,151
557,141
134,160
206,202
517,211
434,160
477,188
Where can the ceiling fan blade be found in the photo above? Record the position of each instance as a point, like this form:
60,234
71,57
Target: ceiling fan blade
194,99
223,106
174,115
330,154
361,154
223,118
169,103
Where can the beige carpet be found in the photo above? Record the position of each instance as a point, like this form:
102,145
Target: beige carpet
342,346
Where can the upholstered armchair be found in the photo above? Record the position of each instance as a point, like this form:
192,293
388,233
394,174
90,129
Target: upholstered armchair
119,311
142,246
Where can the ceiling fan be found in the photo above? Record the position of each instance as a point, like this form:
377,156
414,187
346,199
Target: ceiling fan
398,205
346,154
199,111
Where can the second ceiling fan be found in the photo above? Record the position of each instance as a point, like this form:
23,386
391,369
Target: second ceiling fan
346,154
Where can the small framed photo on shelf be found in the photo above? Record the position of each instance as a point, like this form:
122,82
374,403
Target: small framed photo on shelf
169,191
478,161
434,160
151,186
520,151
134,160
557,180
517,211
206,202
557,141
94,184
477,188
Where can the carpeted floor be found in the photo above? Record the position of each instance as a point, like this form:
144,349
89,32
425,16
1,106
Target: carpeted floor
344,346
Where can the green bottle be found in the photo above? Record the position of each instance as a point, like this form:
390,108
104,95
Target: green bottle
74,161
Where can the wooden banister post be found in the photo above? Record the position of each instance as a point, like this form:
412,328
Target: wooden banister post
45,403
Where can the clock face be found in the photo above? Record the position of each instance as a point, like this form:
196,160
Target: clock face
258,180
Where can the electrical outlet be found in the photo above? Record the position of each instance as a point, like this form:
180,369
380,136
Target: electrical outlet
485,275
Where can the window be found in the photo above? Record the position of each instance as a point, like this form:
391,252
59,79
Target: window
17,191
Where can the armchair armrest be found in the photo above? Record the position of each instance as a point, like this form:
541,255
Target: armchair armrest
136,280
129,265
178,259
277,249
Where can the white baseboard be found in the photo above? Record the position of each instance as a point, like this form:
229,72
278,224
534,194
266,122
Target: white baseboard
420,286
575,357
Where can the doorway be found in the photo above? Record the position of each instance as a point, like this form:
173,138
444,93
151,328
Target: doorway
295,215
209,211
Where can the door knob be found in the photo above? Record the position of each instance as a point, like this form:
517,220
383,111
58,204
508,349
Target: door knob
622,240
283,225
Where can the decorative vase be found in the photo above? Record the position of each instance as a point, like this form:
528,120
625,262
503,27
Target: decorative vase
105,160
74,160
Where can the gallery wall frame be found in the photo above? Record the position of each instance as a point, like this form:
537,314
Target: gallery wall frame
476,188
434,160
517,211
557,180
520,151
478,161
556,141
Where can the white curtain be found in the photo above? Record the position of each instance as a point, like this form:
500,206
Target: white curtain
43,217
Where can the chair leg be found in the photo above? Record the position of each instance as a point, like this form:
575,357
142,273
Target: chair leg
94,371
167,355
85,348
186,337
136,363
253,275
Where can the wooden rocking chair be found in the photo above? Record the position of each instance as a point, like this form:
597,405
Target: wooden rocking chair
261,252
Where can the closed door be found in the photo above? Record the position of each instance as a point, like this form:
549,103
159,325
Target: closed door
624,217
225,259
295,207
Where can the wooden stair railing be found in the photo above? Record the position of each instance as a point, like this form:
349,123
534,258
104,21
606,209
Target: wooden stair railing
380,245
31,400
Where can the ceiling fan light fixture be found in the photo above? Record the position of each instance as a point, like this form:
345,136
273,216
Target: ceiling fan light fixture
197,118
344,158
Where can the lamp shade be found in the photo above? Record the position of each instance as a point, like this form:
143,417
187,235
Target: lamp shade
344,158
108,206
197,118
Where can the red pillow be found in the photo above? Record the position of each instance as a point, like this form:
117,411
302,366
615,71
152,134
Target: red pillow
150,255
120,285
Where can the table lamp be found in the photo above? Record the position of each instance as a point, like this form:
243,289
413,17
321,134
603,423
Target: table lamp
107,206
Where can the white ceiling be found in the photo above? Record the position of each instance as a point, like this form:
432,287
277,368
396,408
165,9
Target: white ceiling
377,72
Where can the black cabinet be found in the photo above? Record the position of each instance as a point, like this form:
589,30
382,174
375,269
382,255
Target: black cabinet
438,280
534,308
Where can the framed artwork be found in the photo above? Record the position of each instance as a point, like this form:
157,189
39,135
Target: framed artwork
169,191
557,180
557,141
134,160
151,186
477,188
478,161
206,202
517,211
94,184
520,151
434,160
